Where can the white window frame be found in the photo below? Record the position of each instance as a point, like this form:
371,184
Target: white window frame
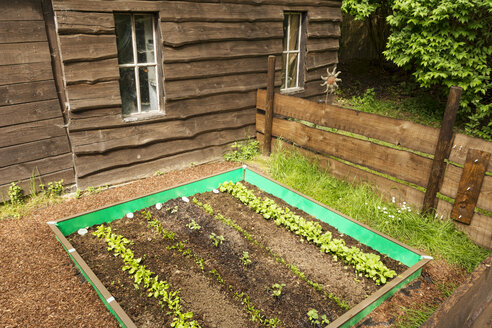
287,52
137,65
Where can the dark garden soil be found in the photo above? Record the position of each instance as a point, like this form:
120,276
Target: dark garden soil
214,301
40,286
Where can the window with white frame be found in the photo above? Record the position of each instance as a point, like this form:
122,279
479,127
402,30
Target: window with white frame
292,54
138,60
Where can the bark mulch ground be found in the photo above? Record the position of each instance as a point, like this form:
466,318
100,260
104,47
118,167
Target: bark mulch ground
40,287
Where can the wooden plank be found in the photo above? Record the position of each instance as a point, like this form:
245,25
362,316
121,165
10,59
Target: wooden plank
462,143
323,30
451,183
30,112
111,117
67,176
91,164
315,74
27,92
388,189
28,132
33,150
22,53
214,68
443,148
221,50
76,22
41,167
397,163
187,89
22,31
398,132
179,34
322,44
19,10
92,72
89,96
10,74
86,47
101,141
470,185
315,60
106,6
323,14
175,162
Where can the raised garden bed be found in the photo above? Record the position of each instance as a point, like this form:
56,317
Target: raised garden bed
254,254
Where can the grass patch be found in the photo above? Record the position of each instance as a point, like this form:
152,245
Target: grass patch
415,317
33,202
438,238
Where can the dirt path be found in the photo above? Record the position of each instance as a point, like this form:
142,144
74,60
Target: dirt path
39,285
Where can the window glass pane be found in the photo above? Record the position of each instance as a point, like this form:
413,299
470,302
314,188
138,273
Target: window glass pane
128,91
145,38
286,26
148,88
294,32
292,71
123,25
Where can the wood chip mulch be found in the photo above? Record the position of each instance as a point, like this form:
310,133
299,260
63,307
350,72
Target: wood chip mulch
39,284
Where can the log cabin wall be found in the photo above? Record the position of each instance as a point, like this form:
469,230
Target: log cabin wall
33,140
214,57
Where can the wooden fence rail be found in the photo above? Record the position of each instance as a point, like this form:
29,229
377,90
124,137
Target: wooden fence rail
393,155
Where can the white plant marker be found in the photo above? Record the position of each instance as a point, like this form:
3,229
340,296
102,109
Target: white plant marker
82,231
158,206
245,166
185,199
129,215
216,191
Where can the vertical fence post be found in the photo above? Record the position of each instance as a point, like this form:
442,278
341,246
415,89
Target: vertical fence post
443,148
267,143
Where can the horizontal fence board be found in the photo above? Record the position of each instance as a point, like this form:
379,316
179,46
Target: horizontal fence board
88,96
74,22
22,73
84,47
27,92
212,68
120,175
33,150
22,31
105,6
451,182
67,175
91,164
400,164
386,187
41,167
20,10
92,72
30,112
322,44
461,145
398,132
185,89
101,141
179,34
323,29
23,53
28,132
315,60
221,50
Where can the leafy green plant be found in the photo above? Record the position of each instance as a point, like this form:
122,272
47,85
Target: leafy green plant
193,225
276,290
216,240
172,210
55,188
242,151
16,194
315,319
158,173
245,259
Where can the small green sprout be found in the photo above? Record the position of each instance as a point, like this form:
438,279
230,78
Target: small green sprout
314,318
245,259
277,290
216,240
193,225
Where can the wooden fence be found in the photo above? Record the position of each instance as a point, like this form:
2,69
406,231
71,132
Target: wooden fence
300,122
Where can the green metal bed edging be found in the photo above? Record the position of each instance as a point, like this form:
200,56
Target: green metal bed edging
114,212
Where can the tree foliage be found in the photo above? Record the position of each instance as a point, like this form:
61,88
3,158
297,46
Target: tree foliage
445,43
